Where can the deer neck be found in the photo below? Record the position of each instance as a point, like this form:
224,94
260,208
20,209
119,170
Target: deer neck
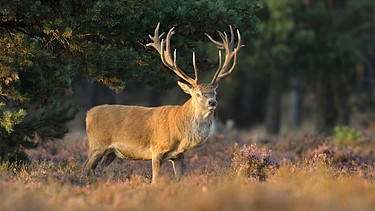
200,123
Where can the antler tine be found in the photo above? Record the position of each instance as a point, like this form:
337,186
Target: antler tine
239,45
182,74
168,46
225,72
172,64
195,69
166,62
218,69
232,37
163,47
156,38
230,53
218,44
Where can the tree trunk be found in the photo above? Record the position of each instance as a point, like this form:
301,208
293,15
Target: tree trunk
273,108
324,108
295,104
341,96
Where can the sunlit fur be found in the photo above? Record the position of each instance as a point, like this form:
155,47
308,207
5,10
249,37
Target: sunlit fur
143,133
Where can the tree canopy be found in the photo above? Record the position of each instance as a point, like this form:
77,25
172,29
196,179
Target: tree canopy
45,44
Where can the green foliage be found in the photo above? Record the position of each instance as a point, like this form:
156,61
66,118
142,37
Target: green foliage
306,40
19,131
347,136
33,78
91,35
9,119
271,48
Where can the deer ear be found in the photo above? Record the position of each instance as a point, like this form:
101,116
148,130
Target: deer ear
185,87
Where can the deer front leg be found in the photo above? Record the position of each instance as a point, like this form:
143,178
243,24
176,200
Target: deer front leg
156,164
177,164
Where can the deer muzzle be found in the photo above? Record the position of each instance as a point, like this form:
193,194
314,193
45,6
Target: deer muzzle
212,104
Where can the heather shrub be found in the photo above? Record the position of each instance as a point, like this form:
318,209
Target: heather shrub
316,162
349,158
298,144
69,171
252,161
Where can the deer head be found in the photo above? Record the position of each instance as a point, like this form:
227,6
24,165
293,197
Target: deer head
203,95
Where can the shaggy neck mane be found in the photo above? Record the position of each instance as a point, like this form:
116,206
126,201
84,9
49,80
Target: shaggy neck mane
200,123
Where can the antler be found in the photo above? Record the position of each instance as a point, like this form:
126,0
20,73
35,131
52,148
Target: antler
166,56
224,69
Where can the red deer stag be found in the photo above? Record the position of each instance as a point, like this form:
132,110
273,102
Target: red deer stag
165,132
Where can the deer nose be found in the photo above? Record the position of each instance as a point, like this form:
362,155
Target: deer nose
212,103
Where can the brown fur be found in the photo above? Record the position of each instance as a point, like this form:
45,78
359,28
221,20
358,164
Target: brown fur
142,133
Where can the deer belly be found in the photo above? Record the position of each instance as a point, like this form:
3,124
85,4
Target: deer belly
131,152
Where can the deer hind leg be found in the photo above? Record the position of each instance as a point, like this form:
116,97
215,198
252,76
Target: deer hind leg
107,158
99,159
156,165
93,160
177,164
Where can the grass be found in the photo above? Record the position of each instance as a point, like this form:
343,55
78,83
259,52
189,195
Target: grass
230,172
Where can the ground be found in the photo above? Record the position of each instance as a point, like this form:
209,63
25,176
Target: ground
232,171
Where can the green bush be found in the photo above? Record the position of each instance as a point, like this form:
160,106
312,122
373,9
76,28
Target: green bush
346,136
